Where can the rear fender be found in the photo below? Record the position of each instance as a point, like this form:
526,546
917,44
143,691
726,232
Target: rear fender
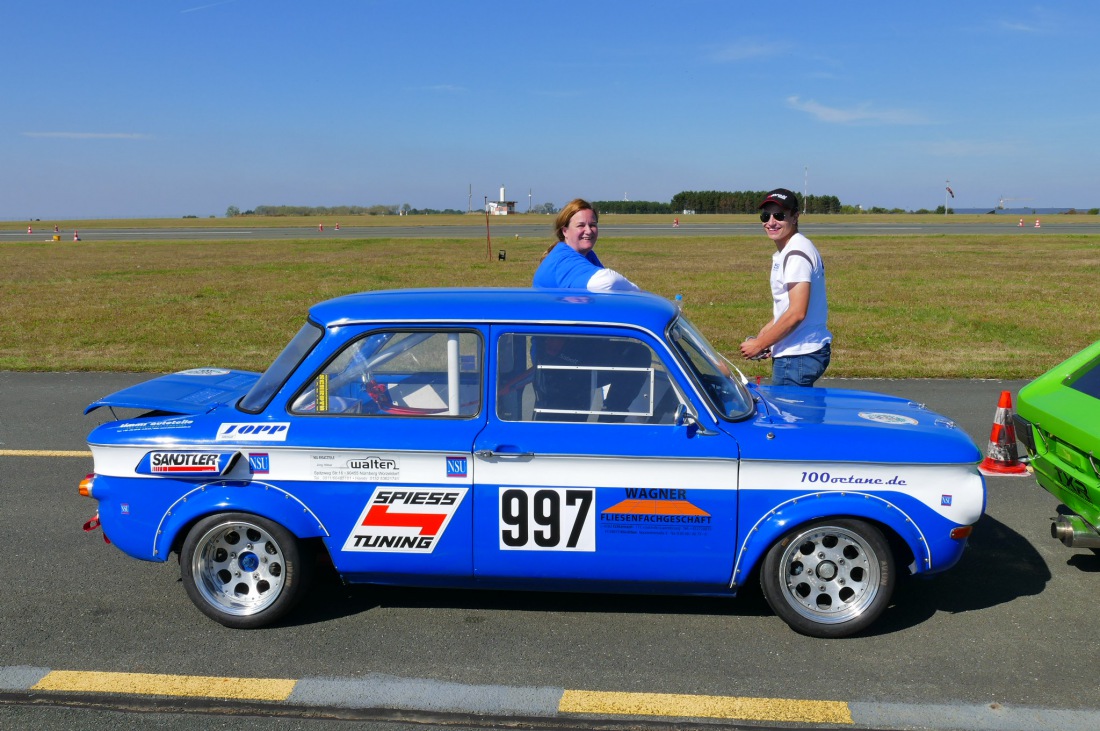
815,506
258,498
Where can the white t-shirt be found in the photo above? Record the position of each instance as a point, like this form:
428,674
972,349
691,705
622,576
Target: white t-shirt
799,261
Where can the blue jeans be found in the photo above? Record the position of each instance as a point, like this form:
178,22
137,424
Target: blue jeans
801,370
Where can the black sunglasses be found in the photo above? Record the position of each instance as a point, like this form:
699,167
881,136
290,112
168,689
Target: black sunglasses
780,216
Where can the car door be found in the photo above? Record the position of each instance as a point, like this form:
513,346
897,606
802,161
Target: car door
382,433
582,474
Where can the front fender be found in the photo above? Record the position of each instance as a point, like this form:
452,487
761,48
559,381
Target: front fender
807,507
258,498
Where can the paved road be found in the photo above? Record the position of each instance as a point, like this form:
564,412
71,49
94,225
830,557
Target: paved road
1003,641
502,230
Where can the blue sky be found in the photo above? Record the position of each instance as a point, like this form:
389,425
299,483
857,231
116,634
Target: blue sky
186,107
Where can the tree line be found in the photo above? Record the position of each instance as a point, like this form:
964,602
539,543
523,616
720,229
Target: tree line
746,201
720,201
689,201
632,207
377,210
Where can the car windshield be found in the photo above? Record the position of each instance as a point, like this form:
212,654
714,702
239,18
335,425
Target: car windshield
719,382
275,376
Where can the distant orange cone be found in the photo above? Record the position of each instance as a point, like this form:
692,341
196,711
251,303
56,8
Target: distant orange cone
1001,458
1037,223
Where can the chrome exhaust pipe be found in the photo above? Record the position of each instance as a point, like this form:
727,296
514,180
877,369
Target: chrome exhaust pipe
1074,532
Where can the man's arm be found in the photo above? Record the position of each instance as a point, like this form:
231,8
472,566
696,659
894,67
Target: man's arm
798,295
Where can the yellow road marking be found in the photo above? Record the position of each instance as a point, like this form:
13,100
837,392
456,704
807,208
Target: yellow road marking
269,689
704,706
41,453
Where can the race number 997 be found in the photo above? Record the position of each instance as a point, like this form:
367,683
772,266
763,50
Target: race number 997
547,519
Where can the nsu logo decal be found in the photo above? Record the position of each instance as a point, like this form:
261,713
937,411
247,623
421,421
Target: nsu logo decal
272,431
456,467
259,463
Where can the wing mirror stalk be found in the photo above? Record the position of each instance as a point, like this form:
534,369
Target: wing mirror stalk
688,419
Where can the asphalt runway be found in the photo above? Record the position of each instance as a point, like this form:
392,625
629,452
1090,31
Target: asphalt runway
501,229
999,642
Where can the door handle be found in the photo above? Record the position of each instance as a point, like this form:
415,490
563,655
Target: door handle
490,454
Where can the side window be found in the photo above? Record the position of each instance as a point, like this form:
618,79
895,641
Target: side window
400,373
582,378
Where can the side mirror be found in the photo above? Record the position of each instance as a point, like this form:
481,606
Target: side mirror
687,419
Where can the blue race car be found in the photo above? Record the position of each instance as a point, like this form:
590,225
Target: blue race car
528,439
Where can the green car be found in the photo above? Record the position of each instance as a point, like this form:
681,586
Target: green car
1058,422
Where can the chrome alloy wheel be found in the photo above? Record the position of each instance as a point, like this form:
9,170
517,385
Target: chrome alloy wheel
829,574
238,567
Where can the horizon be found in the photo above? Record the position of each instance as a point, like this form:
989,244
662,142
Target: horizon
1055,211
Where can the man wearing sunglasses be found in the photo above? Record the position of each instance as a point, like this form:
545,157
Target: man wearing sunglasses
797,338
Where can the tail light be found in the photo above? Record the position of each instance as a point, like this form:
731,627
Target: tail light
85,488
963,531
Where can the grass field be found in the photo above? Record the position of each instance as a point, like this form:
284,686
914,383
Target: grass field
904,306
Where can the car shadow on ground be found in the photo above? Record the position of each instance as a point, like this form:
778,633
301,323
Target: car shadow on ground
329,600
999,566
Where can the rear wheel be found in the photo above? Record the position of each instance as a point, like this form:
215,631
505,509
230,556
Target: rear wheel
242,570
831,578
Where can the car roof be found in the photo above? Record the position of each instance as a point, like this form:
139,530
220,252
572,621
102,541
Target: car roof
489,304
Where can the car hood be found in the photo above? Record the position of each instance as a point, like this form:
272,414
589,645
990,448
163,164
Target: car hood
843,425
194,391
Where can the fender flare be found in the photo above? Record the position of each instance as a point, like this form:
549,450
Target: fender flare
225,496
823,505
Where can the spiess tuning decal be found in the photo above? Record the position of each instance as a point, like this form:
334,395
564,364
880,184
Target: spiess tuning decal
409,520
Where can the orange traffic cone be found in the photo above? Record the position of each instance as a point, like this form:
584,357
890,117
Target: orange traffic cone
1037,223
1001,457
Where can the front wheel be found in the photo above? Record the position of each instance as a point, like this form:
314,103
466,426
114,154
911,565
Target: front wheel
242,570
831,578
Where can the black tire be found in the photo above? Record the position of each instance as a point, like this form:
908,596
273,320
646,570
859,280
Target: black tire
242,570
830,578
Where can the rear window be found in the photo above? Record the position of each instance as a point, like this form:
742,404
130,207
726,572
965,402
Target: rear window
1088,380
